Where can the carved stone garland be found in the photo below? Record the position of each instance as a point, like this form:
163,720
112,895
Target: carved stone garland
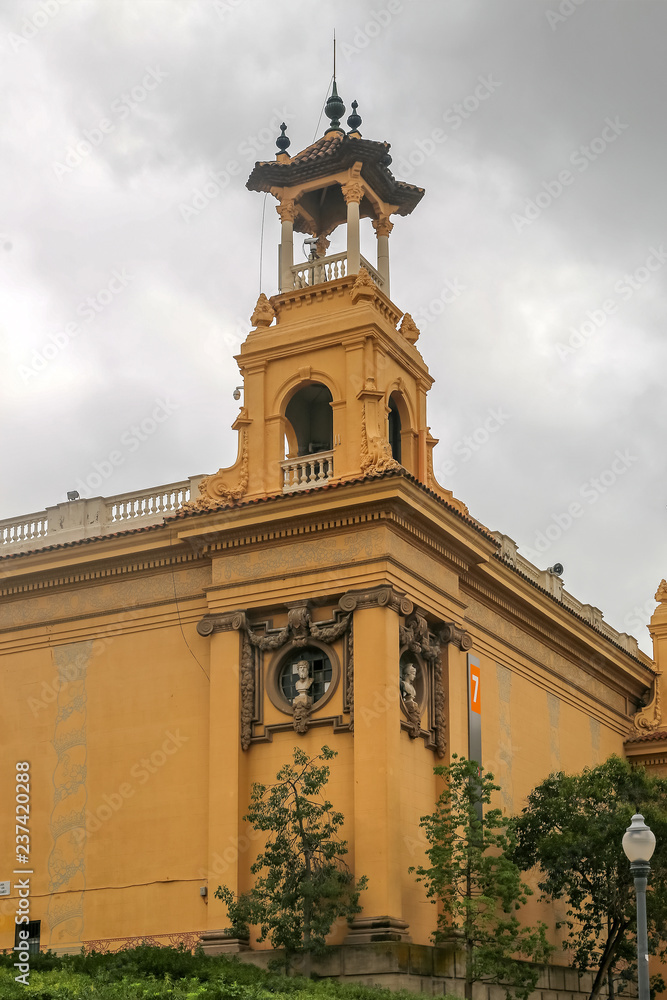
299,630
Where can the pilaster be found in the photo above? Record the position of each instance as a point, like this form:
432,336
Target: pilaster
377,833
224,763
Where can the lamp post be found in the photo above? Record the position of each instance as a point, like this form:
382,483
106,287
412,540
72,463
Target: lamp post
639,845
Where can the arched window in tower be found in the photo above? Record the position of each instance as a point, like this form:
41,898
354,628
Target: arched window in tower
394,429
310,417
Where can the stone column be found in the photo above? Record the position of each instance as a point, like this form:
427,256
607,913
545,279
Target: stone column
383,226
225,848
377,789
287,212
353,193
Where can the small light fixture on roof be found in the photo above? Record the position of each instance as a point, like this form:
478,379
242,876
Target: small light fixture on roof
73,495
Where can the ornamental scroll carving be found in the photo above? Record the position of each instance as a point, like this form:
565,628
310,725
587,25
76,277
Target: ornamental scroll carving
299,631
376,456
215,490
649,718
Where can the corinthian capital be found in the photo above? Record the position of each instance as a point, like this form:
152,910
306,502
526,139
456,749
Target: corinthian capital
286,210
352,191
382,226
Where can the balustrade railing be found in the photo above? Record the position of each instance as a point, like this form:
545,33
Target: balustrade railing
306,471
85,518
18,531
314,272
146,505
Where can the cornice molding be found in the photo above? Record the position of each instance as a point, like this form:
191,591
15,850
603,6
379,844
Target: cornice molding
237,539
555,635
136,565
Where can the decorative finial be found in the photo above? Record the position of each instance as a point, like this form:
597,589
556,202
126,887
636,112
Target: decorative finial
282,142
354,120
334,108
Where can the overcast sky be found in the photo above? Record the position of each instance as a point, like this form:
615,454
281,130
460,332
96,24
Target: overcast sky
535,266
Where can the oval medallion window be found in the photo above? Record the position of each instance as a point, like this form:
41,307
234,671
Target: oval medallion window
307,672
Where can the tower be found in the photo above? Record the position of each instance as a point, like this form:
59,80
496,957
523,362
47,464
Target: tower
334,385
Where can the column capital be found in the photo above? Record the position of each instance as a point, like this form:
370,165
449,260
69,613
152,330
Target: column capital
382,226
379,597
352,191
457,636
286,210
233,621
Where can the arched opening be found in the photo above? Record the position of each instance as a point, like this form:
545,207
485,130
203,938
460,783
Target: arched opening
394,429
310,417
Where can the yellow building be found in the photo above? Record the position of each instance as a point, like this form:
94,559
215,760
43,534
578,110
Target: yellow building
150,641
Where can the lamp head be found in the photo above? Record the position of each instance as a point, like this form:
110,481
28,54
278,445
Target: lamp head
638,840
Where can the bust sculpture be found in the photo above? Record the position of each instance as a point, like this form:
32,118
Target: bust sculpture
302,701
409,695
408,675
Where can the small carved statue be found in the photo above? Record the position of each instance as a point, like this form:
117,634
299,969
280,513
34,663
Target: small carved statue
302,701
409,693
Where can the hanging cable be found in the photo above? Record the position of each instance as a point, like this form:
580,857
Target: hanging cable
261,243
317,127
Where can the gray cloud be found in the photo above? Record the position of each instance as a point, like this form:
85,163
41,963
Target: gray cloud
222,72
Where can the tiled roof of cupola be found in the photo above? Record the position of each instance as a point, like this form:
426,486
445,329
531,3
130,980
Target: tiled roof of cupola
333,153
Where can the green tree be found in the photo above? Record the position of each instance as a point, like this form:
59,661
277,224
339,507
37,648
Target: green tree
572,829
478,886
303,884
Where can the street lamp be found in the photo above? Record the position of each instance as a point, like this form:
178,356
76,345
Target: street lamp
639,845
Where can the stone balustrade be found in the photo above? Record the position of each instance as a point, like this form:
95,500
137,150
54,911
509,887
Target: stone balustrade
307,471
87,518
314,272
554,585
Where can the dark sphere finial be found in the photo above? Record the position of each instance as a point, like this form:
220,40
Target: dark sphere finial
334,108
354,120
282,142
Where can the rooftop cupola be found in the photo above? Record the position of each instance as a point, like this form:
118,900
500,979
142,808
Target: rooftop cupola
334,386
338,180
